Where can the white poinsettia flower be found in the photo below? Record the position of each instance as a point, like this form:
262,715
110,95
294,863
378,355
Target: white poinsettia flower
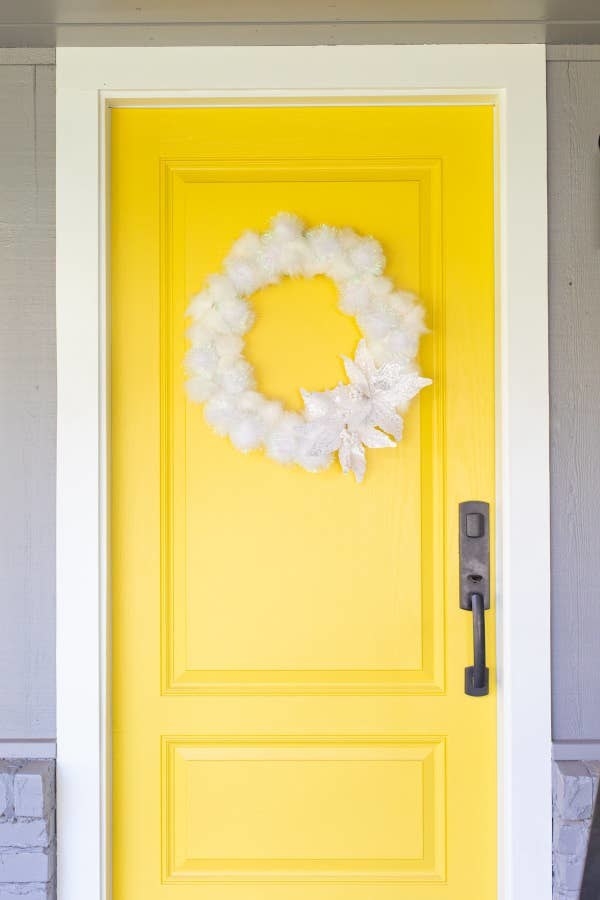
353,441
388,387
360,414
339,421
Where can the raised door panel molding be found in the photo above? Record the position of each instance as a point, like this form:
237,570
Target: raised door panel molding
403,651
304,809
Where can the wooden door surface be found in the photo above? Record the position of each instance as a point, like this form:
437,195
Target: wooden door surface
288,710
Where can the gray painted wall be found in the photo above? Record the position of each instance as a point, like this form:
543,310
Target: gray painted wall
27,391
574,208
27,394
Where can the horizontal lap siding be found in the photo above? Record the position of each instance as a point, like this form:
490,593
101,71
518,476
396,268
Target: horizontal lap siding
574,211
27,395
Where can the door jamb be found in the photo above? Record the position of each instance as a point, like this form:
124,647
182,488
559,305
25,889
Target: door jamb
512,78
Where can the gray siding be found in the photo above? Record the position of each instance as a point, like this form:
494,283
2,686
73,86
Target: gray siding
574,210
27,391
27,395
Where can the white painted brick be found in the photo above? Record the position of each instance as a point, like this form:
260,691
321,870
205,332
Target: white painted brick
573,790
571,838
27,832
34,789
27,848
5,793
568,871
22,866
556,895
7,773
28,891
593,768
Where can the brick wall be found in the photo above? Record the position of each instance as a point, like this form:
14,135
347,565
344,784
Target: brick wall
574,795
27,829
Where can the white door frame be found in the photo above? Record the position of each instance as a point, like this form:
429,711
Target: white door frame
89,82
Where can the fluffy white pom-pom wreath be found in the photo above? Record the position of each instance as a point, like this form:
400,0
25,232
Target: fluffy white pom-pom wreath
382,378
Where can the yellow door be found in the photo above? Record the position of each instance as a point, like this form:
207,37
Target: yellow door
289,719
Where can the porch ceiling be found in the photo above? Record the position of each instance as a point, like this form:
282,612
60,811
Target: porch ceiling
141,22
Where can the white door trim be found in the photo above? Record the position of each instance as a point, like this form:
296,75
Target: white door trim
89,82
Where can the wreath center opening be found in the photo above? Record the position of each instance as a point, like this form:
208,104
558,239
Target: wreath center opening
298,338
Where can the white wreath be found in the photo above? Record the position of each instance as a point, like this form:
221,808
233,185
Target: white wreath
383,376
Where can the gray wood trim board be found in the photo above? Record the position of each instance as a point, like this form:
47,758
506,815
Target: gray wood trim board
33,749
27,56
574,52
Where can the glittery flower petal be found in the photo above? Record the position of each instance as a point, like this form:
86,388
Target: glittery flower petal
374,438
352,456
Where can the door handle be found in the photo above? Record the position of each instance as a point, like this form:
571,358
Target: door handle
474,548
477,676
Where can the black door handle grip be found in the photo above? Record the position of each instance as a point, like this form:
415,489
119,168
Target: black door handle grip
477,676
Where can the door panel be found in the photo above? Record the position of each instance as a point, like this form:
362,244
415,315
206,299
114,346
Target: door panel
222,800
289,716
